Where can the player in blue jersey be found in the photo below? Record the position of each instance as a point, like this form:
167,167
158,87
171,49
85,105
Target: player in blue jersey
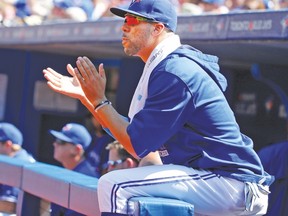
179,110
69,149
11,141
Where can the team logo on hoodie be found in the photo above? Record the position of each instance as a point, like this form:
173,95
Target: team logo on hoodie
163,152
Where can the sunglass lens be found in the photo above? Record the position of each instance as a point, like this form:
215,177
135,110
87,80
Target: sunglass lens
130,20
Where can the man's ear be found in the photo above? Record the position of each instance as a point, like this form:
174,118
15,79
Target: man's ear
130,163
79,148
8,143
158,28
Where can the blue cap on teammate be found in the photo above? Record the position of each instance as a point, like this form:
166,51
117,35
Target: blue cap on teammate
162,11
10,132
73,133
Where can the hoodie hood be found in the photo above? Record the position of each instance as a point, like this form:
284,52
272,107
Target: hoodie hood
208,63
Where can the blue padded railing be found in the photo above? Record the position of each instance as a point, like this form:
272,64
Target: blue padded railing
55,184
40,181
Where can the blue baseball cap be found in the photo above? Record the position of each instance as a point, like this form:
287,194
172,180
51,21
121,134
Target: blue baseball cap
10,132
157,10
73,133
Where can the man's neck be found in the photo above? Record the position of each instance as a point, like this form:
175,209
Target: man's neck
146,54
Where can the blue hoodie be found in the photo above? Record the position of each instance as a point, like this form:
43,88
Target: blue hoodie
187,118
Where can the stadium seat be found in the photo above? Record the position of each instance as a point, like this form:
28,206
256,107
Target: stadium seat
155,206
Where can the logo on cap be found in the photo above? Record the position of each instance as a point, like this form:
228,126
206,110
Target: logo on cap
67,127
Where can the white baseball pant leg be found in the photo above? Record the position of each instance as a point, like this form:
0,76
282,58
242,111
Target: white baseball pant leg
210,194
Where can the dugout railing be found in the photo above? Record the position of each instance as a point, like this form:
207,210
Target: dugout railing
42,184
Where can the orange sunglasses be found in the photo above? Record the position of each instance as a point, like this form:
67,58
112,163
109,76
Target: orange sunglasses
135,20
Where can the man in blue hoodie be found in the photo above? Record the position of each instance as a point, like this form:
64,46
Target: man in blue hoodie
178,110
11,140
70,145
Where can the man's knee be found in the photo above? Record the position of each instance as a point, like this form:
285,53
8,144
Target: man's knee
106,182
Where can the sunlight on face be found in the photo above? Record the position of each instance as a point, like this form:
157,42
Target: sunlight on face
138,39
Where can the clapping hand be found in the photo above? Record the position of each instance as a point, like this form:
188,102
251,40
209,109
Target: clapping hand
63,84
86,83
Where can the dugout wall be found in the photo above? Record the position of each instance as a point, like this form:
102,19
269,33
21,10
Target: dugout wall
240,40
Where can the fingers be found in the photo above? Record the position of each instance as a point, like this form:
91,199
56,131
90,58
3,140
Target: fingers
102,71
52,77
70,69
91,65
52,72
79,79
53,87
86,68
80,70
